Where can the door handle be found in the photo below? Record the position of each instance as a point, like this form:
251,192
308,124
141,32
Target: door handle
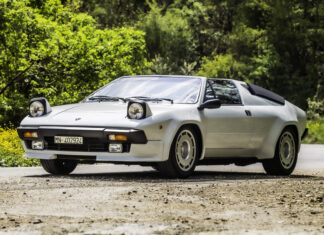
248,113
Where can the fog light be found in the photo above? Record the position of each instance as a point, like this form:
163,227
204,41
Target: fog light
118,137
37,144
115,148
30,135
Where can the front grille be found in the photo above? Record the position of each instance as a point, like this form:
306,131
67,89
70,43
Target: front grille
89,145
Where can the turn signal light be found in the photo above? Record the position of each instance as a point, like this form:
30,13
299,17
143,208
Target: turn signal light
30,135
118,137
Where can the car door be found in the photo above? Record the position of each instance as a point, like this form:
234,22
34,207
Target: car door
229,127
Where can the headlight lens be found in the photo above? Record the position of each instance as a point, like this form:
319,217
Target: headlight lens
36,109
136,111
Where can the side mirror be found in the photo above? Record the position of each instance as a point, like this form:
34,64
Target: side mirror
210,104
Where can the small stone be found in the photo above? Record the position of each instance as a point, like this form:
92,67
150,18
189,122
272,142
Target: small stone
37,221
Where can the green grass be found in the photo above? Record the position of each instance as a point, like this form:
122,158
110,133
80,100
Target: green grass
315,132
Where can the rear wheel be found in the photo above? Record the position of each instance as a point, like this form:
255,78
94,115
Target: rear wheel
183,155
285,158
59,166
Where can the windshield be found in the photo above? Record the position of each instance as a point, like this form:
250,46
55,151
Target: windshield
177,89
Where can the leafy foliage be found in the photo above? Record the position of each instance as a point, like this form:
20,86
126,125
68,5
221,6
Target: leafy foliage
47,50
222,66
11,150
276,44
64,50
168,35
315,132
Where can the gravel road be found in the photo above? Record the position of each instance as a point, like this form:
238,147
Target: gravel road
110,199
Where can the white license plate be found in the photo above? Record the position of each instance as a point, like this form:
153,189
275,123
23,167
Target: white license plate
68,140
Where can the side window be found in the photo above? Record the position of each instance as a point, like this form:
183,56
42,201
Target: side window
226,92
209,94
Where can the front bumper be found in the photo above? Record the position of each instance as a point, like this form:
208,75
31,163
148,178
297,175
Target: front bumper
136,149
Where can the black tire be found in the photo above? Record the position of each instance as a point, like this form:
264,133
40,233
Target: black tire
286,154
59,166
176,166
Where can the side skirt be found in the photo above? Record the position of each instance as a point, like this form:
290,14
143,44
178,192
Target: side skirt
239,161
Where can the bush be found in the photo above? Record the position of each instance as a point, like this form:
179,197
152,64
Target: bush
169,39
221,66
315,132
47,50
11,151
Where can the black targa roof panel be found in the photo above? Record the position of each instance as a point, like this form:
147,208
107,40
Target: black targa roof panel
264,93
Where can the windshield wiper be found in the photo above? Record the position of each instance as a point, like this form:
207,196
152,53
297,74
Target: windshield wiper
106,97
149,98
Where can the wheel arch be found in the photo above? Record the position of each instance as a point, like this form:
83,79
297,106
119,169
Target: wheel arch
198,131
294,128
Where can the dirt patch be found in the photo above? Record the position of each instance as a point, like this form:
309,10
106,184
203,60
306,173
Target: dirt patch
143,203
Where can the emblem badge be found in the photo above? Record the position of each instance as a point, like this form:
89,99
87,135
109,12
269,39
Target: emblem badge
78,119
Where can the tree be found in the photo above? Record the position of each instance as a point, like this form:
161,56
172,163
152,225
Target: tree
276,44
47,50
168,35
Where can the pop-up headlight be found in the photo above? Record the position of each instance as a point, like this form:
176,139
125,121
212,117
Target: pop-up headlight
39,107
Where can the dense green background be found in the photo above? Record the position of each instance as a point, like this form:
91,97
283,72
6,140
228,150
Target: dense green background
64,50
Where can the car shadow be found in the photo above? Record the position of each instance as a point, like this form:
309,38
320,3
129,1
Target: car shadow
156,177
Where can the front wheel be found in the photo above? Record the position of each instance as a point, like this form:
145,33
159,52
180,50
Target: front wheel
285,158
59,166
183,155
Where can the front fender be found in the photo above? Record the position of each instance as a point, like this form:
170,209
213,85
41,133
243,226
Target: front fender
166,125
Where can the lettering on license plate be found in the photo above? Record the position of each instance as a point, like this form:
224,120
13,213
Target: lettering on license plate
68,140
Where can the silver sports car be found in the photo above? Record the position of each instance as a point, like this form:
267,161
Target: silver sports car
171,123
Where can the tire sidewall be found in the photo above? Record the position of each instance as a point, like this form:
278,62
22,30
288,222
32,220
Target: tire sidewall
172,155
57,167
282,169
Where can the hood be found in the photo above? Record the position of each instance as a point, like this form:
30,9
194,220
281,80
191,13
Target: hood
103,114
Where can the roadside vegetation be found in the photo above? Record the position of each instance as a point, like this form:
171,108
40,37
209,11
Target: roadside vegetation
65,49
11,150
315,123
315,132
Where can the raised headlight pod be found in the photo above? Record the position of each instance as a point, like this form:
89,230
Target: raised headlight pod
39,107
136,111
